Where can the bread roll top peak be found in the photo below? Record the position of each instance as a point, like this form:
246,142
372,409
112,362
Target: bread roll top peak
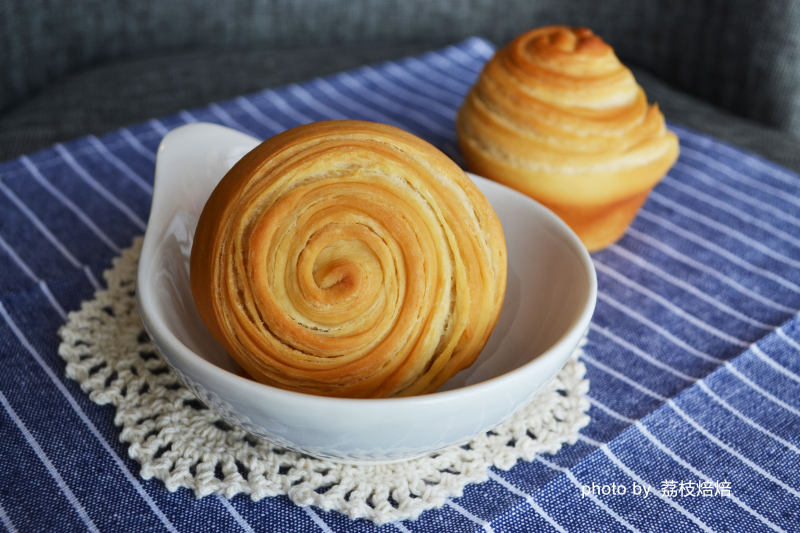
556,115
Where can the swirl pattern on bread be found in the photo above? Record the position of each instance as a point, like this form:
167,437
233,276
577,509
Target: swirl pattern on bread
349,258
556,115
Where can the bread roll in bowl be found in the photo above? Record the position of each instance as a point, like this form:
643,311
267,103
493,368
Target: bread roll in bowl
349,258
556,116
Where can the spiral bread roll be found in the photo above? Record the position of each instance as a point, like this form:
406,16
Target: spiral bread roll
349,258
556,116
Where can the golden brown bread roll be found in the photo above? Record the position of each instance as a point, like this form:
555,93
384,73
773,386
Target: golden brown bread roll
556,116
349,258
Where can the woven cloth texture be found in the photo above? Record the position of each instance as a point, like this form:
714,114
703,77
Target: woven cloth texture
692,353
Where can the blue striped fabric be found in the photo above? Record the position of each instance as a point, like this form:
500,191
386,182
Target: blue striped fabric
693,352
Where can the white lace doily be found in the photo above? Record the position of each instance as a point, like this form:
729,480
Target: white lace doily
178,440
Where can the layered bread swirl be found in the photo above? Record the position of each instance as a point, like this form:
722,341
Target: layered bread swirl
556,115
349,258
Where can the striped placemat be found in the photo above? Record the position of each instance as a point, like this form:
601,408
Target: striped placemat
693,354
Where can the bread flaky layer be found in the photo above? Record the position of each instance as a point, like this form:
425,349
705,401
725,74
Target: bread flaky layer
349,258
556,115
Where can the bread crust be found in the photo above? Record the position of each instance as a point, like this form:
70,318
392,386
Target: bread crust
349,258
556,116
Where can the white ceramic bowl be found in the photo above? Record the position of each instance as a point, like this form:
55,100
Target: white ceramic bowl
549,301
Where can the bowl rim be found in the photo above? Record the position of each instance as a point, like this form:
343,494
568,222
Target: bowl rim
162,335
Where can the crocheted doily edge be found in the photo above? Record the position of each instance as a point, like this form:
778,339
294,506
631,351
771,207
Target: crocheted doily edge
188,446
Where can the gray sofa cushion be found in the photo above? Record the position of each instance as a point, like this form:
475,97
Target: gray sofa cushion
742,55
91,66
128,91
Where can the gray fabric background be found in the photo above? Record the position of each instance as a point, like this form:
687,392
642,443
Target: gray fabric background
730,68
